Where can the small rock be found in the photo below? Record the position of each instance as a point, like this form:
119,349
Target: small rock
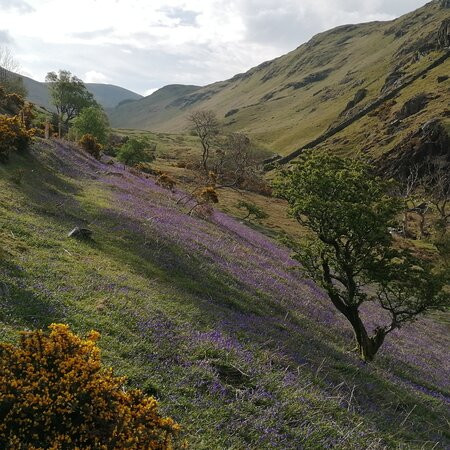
80,233
442,78
413,106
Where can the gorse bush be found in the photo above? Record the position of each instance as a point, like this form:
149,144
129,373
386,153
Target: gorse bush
89,144
165,181
55,394
13,136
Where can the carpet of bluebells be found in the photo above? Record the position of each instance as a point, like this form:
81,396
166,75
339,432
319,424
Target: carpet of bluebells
216,321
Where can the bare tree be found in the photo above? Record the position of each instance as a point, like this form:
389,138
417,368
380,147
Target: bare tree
206,127
406,191
9,67
436,184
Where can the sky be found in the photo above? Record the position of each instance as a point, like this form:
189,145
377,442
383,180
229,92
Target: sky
143,45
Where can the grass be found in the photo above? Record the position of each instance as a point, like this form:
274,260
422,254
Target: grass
208,316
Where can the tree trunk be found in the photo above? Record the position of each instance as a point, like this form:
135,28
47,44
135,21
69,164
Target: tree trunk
368,346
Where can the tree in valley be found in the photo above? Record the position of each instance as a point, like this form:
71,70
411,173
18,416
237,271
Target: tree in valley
93,121
137,150
349,251
69,95
206,126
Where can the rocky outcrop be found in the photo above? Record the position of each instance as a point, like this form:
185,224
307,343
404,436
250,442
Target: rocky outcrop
444,34
358,98
430,143
413,106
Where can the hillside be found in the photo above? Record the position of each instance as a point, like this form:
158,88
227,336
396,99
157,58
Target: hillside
207,315
107,95
292,100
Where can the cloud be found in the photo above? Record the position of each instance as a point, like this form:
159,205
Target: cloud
138,43
182,16
150,91
5,37
92,76
93,34
19,5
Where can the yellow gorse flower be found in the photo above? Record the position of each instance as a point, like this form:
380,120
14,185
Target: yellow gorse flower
54,393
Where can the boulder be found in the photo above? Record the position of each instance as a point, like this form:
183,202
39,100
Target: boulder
80,233
430,143
413,106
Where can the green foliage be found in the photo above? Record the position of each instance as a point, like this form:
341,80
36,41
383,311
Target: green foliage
93,121
89,144
136,150
68,94
253,211
350,252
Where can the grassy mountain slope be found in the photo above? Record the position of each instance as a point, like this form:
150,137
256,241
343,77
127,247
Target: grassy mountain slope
107,95
290,101
157,105
207,315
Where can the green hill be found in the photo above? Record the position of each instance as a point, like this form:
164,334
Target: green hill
207,315
107,95
290,101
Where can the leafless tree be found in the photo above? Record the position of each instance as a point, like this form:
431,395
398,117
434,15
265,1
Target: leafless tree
406,190
206,127
9,68
436,185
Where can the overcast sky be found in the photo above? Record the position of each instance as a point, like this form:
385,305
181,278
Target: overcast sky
145,44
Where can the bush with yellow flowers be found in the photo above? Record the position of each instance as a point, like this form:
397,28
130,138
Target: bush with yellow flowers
54,393
13,136
90,144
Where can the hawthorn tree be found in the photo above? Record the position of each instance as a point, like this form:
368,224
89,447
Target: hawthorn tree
69,95
206,126
349,251
136,150
92,120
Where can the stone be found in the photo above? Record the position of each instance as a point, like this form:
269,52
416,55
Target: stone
413,106
80,233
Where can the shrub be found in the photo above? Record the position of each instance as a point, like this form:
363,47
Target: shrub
253,211
146,168
135,150
13,136
92,121
89,144
165,181
54,393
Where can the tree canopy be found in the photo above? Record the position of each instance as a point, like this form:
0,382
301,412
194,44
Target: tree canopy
92,120
350,252
69,95
136,150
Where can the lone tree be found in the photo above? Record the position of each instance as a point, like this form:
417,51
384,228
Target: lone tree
9,67
206,126
350,252
69,95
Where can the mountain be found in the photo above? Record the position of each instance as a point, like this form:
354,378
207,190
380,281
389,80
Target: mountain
157,106
291,101
107,95
209,316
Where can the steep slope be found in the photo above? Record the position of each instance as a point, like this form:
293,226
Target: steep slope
290,101
157,105
207,315
107,95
